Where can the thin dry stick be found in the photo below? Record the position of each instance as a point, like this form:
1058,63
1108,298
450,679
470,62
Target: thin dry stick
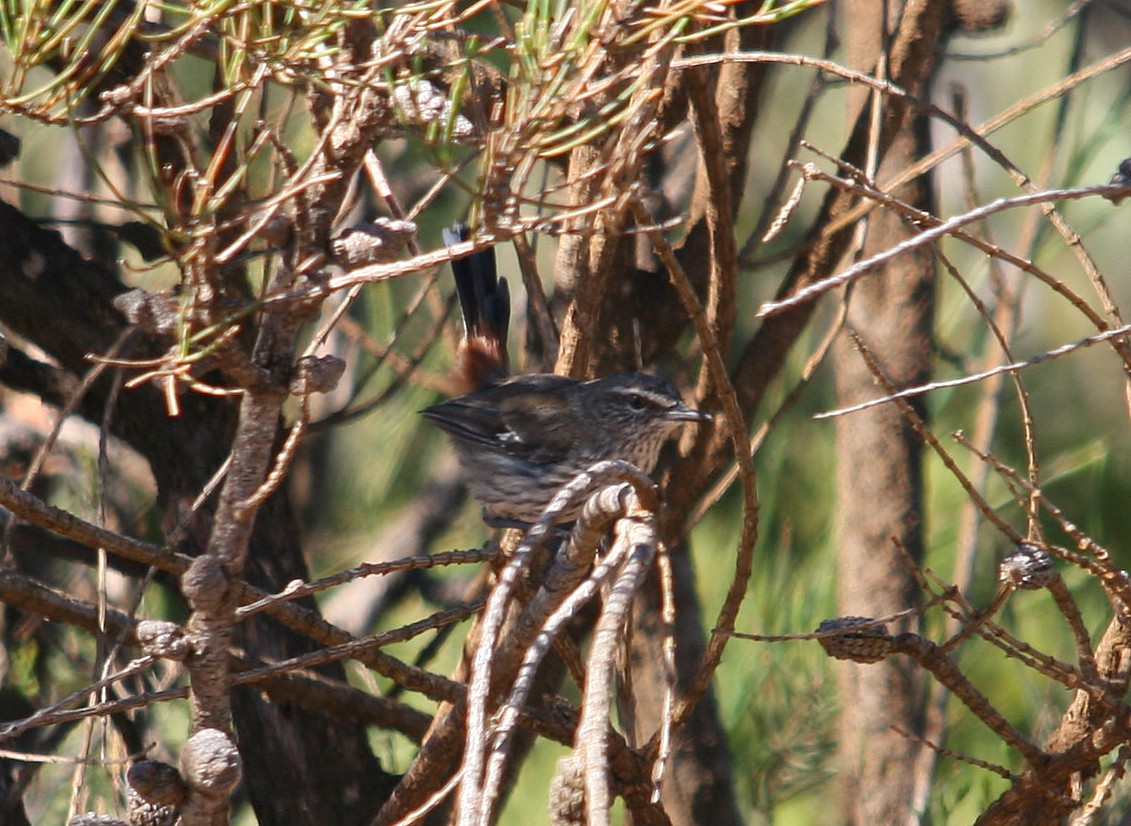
744,561
354,649
768,225
991,632
537,304
283,459
268,209
295,617
1051,667
1048,355
925,433
872,195
35,511
610,562
107,648
434,800
600,474
373,273
812,364
929,236
942,667
1072,240
715,186
1071,612
48,445
639,537
48,714
1115,580
299,589
380,183
671,675
1104,790
28,757
104,709
966,625
403,367
986,420
1000,771
206,199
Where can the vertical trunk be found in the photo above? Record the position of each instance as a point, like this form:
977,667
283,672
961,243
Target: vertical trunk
699,786
879,481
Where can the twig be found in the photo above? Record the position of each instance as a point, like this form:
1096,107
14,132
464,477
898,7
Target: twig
744,559
639,538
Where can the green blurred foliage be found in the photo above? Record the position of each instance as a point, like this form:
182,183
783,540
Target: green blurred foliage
779,699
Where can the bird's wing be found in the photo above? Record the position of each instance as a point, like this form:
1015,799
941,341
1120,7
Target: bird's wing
528,417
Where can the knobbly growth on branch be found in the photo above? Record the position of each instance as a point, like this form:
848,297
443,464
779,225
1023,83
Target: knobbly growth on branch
794,288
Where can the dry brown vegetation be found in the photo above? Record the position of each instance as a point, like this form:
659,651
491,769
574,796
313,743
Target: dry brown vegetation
245,302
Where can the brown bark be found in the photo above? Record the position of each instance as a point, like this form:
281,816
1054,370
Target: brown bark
914,52
301,766
699,781
879,488
879,481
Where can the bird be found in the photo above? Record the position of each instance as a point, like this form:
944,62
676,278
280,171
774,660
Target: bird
521,438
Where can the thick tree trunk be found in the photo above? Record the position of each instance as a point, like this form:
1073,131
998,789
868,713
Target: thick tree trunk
300,766
879,481
699,786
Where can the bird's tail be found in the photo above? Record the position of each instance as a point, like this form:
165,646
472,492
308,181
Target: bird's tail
485,302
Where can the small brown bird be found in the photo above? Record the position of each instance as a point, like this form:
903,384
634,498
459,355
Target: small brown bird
521,439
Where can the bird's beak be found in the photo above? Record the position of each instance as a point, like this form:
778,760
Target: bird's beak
684,413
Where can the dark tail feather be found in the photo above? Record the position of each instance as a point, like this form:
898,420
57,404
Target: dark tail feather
485,302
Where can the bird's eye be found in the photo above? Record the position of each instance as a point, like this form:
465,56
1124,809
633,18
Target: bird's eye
637,402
